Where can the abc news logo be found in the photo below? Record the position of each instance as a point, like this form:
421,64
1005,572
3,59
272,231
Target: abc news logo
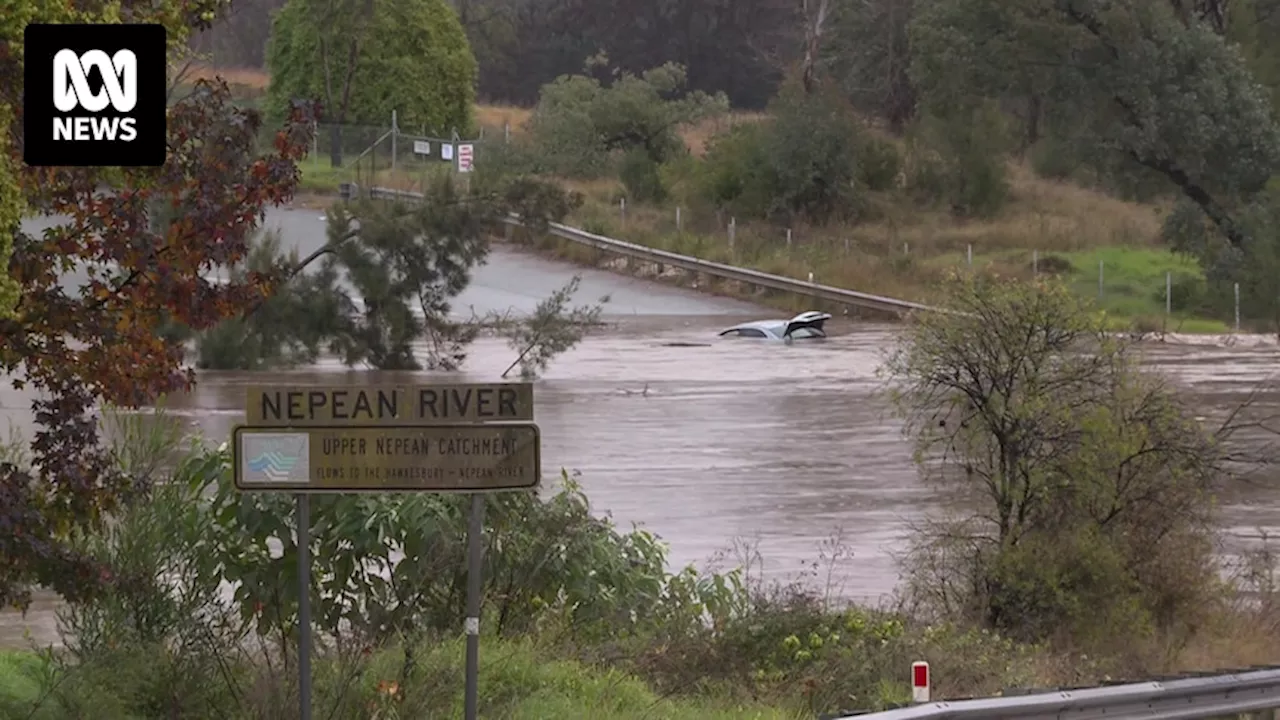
95,95
71,90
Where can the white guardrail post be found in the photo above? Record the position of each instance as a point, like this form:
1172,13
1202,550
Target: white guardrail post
920,682
706,267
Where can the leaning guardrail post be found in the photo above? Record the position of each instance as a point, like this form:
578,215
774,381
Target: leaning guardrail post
919,682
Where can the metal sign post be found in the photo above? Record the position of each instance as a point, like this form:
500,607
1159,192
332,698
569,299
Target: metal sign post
456,438
304,605
475,566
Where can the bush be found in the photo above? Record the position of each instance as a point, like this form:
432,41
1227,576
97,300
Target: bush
879,164
639,175
803,162
1188,293
1090,533
960,161
580,126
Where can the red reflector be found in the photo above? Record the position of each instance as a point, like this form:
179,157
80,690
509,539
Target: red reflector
920,675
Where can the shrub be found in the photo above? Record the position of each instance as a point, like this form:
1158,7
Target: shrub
1061,447
879,164
580,126
1188,292
639,175
801,163
961,161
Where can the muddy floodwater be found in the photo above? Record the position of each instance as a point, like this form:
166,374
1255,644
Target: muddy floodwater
703,440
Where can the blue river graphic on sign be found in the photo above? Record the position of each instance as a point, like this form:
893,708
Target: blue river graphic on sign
275,457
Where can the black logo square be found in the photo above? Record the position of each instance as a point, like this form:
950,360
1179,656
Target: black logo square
94,95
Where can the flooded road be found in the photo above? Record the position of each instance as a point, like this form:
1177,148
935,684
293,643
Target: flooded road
725,439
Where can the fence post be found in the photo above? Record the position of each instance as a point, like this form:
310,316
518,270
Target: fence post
622,209
1035,262
970,252
506,132
919,682
905,249
679,221
733,231
788,238
1100,282
1168,293
846,244
1237,289
810,277
395,131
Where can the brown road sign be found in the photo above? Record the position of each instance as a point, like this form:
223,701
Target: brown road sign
389,405
444,458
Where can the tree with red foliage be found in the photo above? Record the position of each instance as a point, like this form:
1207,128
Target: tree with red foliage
101,342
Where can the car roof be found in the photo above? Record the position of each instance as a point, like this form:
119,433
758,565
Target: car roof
770,326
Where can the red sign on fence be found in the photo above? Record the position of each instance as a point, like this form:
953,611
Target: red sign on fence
464,158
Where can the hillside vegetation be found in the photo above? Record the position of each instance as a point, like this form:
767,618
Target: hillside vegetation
903,249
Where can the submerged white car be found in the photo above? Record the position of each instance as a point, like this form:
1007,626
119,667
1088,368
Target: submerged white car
805,326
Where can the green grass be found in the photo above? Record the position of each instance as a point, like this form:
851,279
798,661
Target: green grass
1133,282
20,681
518,681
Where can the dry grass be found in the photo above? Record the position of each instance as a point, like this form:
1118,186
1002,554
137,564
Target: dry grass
251,78
698,135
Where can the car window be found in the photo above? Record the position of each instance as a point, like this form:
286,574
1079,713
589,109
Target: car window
751,332
801,333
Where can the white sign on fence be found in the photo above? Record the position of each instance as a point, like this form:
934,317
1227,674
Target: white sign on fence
421,147
446,151
464,158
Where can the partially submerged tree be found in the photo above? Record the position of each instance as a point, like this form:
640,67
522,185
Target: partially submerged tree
1086,483
554,327
287,329
365,59
380,291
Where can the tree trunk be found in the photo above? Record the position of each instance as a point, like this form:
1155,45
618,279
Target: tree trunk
335,145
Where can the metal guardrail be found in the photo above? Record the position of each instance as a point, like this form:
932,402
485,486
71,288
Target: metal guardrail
1189,698
706,267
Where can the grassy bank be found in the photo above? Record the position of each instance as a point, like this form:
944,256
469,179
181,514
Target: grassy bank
518,681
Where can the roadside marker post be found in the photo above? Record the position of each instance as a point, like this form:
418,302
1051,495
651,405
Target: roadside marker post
919,682
448,438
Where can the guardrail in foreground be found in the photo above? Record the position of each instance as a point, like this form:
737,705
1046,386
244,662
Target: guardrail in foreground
706,267
1185,698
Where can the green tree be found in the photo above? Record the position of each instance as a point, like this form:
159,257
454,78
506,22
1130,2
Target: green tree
580,126
868,54
288,328
810,159
1087,483
365,59
1159,88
